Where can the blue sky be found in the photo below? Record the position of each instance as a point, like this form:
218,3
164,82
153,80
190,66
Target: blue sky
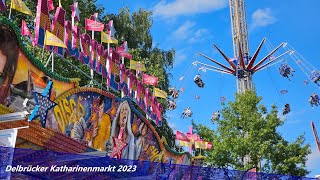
191,26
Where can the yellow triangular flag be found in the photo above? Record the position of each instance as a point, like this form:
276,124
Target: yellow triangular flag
137,66
108,39
159,93
201,144
185,143
19,5
52,40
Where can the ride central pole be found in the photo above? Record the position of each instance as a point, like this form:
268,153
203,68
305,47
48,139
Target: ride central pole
240,42
241,50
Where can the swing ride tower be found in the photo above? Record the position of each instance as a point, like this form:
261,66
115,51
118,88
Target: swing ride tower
242,66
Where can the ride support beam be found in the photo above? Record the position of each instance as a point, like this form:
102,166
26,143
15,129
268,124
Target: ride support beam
241,59
225,57
255,55
216,62
315,135
273,60
266,57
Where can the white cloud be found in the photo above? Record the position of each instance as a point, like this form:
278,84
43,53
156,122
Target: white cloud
262,18
187,7
187,32
199,35
180,56
184,31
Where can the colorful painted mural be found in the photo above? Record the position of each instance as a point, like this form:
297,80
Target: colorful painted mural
94,117
89,116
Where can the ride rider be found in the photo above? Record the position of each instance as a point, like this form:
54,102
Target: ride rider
174,93
314,100
286,109
286,71
186,113
198,81
315,76
172,105
215,116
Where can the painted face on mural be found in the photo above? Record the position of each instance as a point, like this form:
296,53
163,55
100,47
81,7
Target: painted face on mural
101,109
9,54
8,51
144,130
124,112
3,61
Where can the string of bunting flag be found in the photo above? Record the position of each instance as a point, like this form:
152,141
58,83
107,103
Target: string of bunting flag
64,38
192,140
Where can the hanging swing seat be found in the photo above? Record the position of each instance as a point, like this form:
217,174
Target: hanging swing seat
199,81
286,109
285,70
215,116
172,104
174,93
314,100
315,76
186,113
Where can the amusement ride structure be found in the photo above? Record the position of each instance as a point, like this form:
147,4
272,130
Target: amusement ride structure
243,65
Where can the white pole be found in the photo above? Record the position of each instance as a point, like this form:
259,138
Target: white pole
10,10
48,60
100,65
107,64
52,56
91,71
122,62
135,92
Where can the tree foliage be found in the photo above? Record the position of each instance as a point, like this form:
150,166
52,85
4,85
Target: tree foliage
247,128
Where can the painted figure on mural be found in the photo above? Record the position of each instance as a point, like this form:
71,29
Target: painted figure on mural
100,122
13,95
80,126
9,53
122,120
141,142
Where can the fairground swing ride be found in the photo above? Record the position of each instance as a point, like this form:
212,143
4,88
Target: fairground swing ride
243,66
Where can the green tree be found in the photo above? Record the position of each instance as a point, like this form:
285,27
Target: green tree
247,128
